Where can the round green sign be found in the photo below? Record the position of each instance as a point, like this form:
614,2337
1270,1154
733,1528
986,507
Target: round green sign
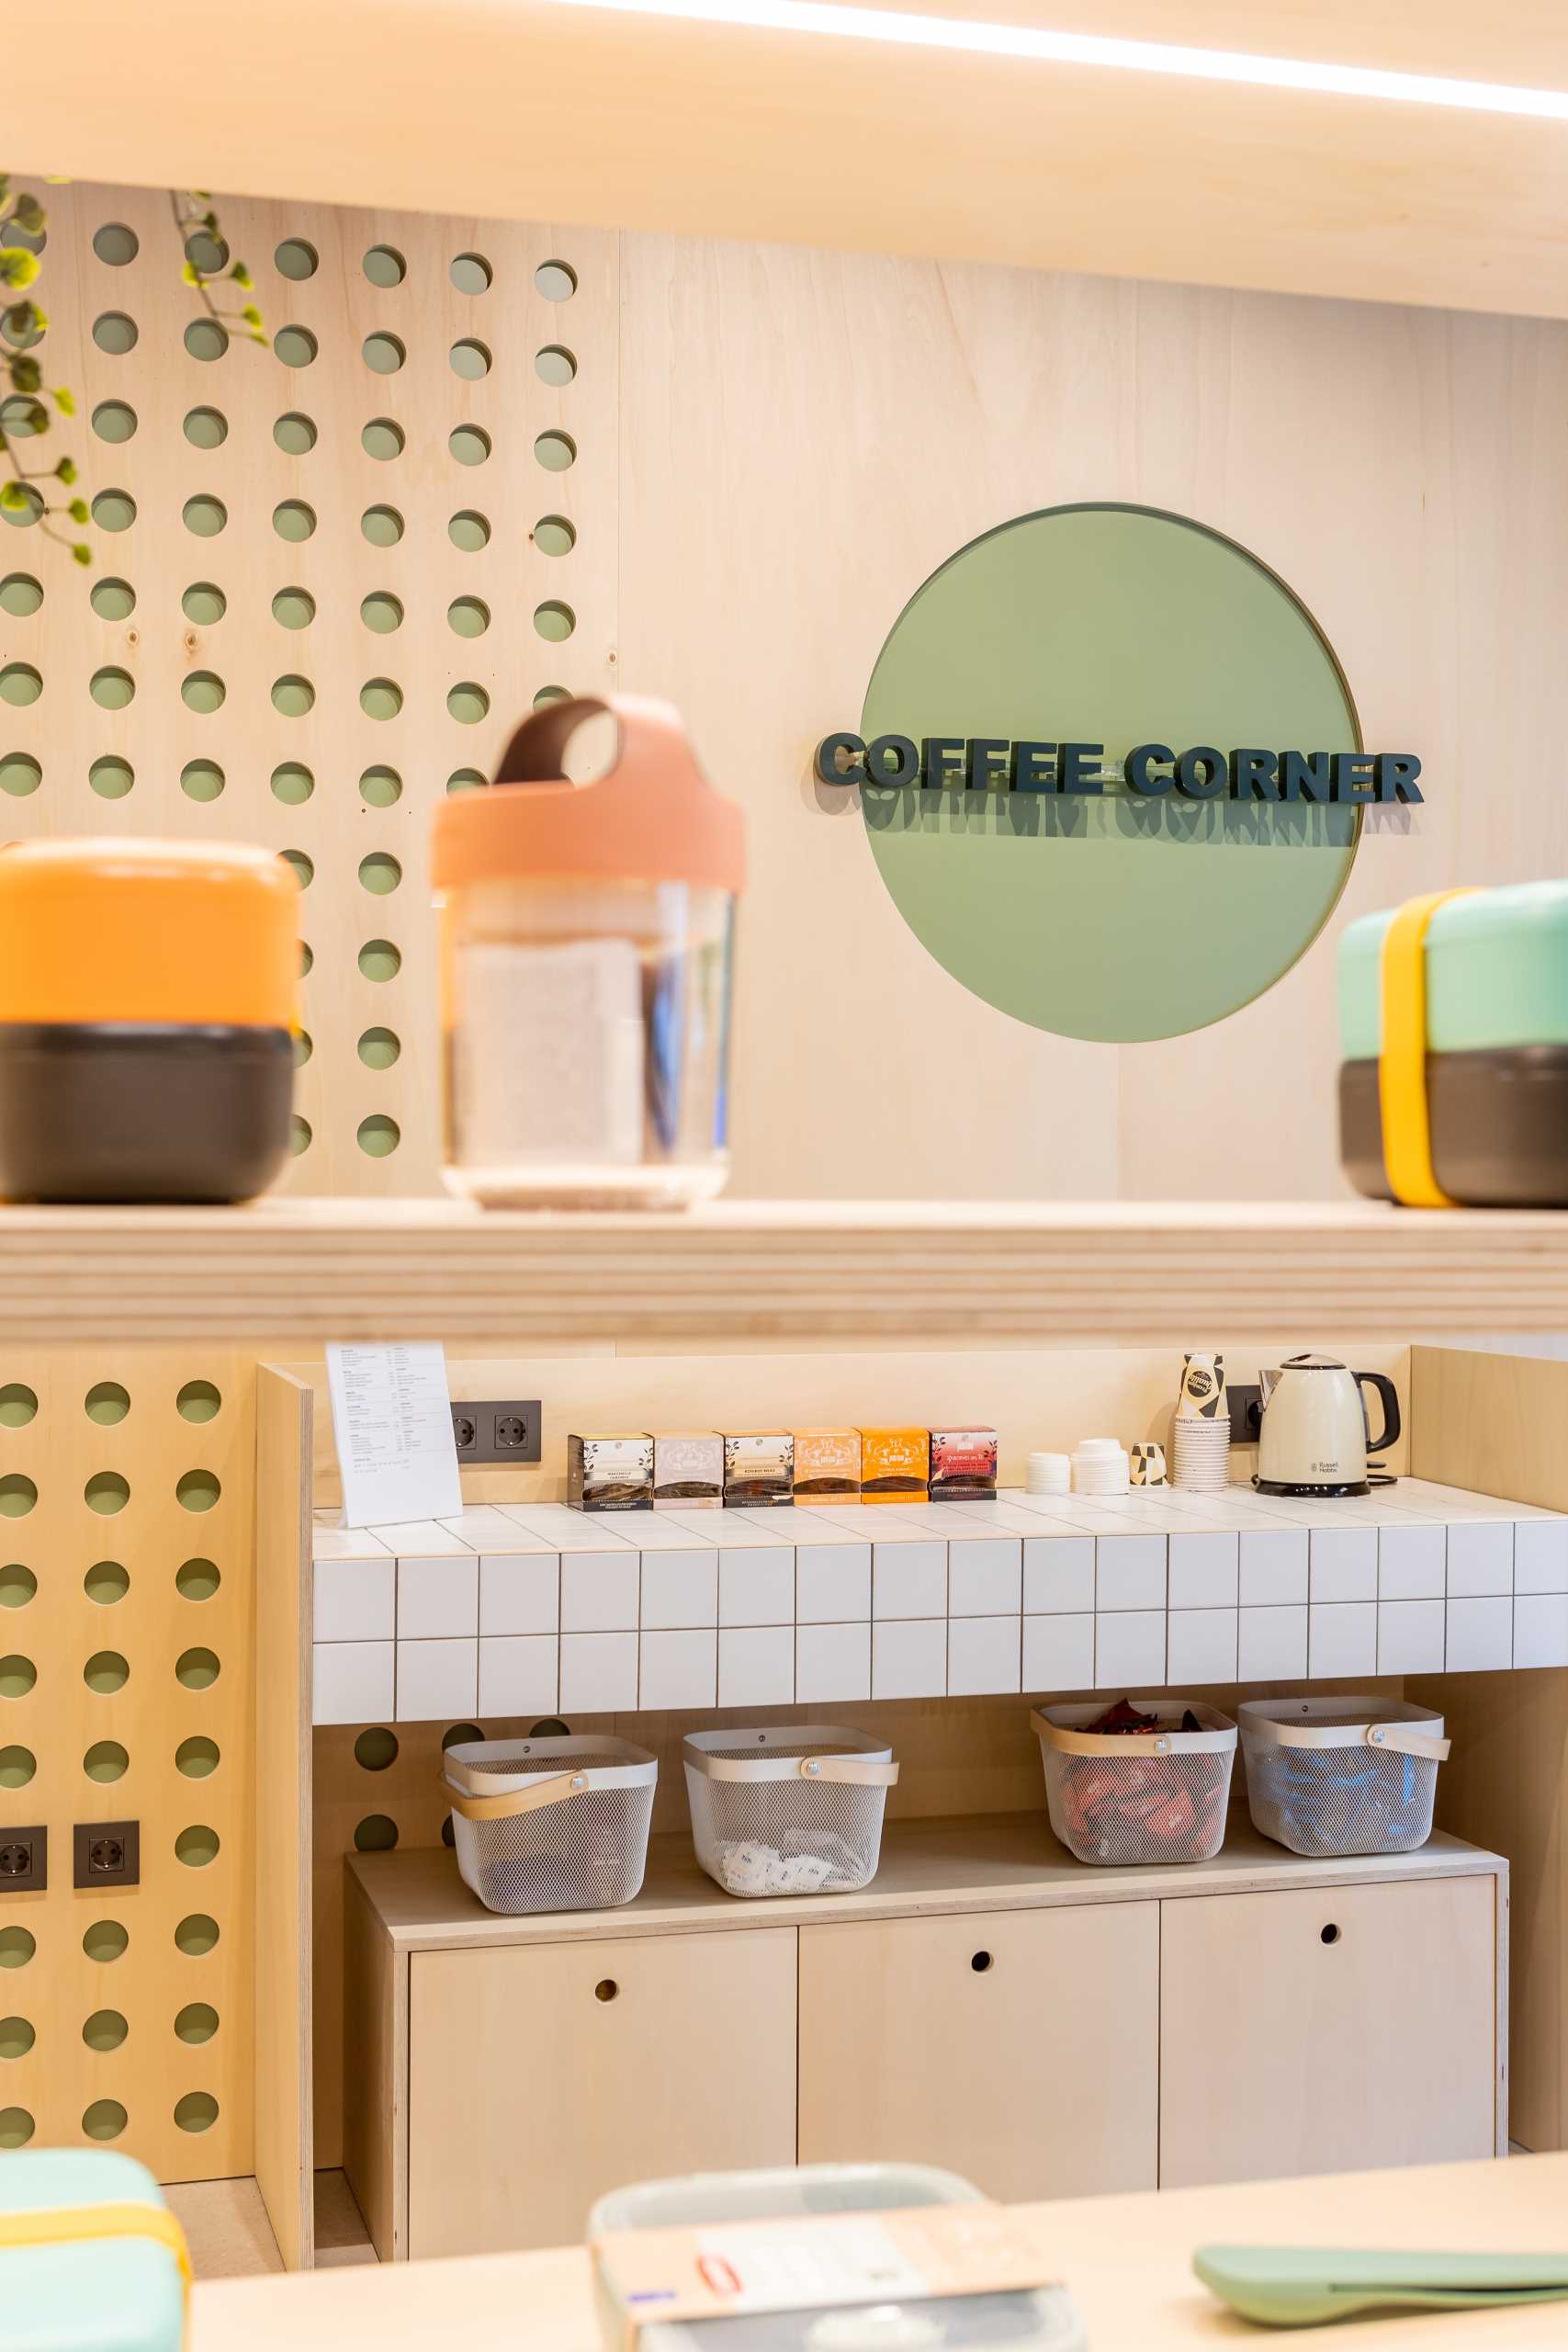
1111,916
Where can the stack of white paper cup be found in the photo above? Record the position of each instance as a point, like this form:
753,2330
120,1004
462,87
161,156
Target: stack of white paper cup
1048,1474
1100,1467
1201,1453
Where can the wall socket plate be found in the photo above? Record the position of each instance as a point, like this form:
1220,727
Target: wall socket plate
506,1428
24,1862
106,1854
1242,1399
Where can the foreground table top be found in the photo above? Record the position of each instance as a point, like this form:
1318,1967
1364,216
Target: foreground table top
1128,2260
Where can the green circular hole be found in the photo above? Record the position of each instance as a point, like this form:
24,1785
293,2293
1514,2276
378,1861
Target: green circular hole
556,281
294,609
468,703
197,1579
104,2119
304,1046
205,515
470,443
112,688
555,451
115,332
468,531
114,420
381,698
21,684
299,1135
105,2030
20,774
18,1584
293,695
383,438
379,960
105,1582
380,786
555,364
198,1400
115,243
204,603
296,257
107,1491
384,354
382,525
107,1402
111,778
197,1846
17,2037
106,1672
382,612
18,1675
554,535
197,1490
379,1049
375,1749
114,510
104,1941
554,621
469,358
16,1947
21,595
203,691
206,428
113,600
18,1766
384,265
197,1934
197,2021
293,520
197,2111
18,1404
16,2127
468,615
206,339
295,346
304,867
293,784
467,780
201,780
17,1495
380,873
205,254
197,1758
377,1834
197,1669
378,1136
104,1760
471,274
295,434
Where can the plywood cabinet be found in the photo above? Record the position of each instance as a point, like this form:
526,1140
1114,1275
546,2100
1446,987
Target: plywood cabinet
1020,2048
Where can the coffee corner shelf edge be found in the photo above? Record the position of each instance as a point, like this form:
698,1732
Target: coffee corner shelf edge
296,1273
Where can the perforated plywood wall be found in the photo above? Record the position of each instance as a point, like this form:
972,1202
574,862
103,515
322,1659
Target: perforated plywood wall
328,578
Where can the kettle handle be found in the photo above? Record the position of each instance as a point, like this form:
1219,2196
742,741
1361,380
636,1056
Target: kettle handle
1389,1397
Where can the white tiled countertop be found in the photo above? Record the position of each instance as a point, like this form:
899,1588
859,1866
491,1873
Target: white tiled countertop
533,1609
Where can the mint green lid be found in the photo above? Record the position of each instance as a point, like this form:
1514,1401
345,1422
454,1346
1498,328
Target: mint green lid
1497,973
112,2295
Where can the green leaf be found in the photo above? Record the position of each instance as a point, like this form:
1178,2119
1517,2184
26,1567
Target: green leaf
13,497
30,213
251,315
66,469
79,554
189,274
19,267
77,510
241,275
64,400
26,374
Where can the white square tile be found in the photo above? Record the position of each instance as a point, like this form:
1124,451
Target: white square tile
1273,1567
756,1666
437,1599
1481,1557
356,1600
1129,1572
678,1669
832,1584
1203,1571
519,1674
1202,1646
984,1577
352,1682
1344,1564
908,1580
519,1593
1058,1653
598,1673
1128,1650
757,1588
598,1592
1412,1564
1481,1634
832,1662
1271,1644
1540,1556
1410,1636
982,1654
908,1661
680,1591
438,1678
1540,1629
1342,1639
1058,1575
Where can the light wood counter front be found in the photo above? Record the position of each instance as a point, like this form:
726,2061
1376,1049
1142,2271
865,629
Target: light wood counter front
1128,2260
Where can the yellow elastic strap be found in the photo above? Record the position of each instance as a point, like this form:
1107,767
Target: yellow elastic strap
1402,1063
82,2224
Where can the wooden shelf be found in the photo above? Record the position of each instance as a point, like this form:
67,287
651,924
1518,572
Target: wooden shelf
295,1273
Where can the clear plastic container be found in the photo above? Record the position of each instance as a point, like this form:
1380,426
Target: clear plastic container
586,947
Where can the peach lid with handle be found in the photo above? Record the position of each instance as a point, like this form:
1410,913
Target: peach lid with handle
654,818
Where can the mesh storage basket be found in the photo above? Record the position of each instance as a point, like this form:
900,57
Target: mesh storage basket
1125,1797
796,1810
550,1824
1342,1776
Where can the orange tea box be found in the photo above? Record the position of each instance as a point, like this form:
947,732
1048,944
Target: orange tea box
895,1466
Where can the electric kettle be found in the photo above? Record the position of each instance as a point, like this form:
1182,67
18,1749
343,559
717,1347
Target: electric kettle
1313,1433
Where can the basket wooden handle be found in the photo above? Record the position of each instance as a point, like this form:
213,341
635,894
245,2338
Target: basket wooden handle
1408,1742
505,1807
855,1771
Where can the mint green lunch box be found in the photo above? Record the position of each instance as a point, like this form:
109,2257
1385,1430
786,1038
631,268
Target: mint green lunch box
1497,990
91,2258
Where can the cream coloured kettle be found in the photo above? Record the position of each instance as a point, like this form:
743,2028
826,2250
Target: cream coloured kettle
1313,1436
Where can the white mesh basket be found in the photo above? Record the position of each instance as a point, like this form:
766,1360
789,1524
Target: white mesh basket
550,1824
1342,1776
1129,1797
796,1810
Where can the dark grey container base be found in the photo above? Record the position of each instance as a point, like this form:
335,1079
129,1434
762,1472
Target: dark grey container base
1499,1124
